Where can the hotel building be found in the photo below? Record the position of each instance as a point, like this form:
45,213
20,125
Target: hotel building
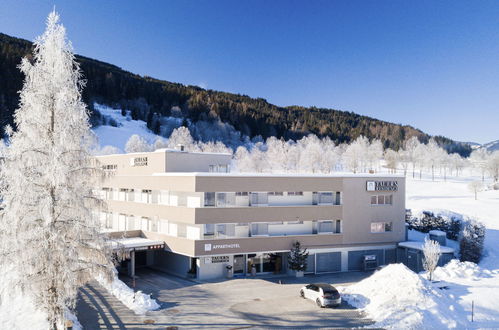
202,220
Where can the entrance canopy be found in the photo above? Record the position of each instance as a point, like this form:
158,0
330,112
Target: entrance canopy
136,244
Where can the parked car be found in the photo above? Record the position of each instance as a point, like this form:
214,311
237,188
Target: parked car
323,294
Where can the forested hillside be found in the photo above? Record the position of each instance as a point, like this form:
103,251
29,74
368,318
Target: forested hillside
149,99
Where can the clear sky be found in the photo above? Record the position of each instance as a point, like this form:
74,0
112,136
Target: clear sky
431,64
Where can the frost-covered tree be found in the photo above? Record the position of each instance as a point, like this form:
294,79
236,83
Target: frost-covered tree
137,143
107,150
479,158
355,154
374,154
434,156
49,233
431,253
411,147
475,187
493,165
392,159
182,136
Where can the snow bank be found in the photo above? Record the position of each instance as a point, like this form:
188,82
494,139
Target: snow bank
139,302
397,298
456,269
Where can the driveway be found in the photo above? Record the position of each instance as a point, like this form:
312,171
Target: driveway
235,304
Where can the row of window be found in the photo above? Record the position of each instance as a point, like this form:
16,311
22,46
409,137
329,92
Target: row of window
218,168
381,227
381,199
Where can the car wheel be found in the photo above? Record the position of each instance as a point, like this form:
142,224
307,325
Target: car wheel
318,302
302,294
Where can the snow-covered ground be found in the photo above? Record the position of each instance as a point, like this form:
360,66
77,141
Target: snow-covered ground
118,136
397,298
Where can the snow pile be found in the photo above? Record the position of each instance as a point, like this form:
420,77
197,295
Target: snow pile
397,298
139,302
460,270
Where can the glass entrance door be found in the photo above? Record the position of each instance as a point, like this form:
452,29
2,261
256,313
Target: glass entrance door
239,264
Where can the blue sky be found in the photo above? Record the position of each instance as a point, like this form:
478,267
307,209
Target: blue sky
430,64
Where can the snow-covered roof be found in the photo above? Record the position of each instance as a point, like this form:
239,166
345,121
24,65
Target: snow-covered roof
305,175
418,245
134,242
437,233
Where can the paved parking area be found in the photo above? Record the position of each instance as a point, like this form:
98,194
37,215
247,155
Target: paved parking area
245,303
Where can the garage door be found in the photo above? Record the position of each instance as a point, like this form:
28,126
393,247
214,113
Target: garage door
310,264
328,262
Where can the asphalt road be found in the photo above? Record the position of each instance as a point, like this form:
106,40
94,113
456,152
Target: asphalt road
246,303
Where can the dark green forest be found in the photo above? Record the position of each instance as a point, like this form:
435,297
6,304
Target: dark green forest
148,99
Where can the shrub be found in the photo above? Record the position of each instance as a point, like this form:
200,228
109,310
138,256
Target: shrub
471,241
430,221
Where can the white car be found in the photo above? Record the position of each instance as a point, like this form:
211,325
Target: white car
323,294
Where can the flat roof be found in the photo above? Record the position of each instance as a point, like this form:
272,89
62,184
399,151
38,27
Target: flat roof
298,175
418,245
133,242
165,150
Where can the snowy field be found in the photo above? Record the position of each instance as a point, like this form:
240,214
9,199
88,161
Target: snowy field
126,127
397,298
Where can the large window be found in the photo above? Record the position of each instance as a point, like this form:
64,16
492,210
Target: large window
381,227
329,227
323,197
295,193
209,199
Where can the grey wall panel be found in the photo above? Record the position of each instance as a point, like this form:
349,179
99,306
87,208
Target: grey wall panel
310,264
390,256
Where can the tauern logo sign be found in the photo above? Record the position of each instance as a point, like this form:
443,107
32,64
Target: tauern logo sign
382,186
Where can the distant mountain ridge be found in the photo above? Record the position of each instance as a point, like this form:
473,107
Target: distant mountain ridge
150,99
491,146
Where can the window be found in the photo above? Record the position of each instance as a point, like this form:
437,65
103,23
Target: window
381,227
146,196
163,226
325,197
223,168
209,229
338,198
259,198
276,193
381,199
337,230
259,229
326,226
209,199
212,168
295,193
242,193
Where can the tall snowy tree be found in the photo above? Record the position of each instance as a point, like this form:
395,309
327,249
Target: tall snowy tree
49,231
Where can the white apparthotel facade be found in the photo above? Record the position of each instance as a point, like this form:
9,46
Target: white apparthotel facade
209,218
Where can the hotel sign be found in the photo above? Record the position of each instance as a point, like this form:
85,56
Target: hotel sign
382,186
138,161
211,247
